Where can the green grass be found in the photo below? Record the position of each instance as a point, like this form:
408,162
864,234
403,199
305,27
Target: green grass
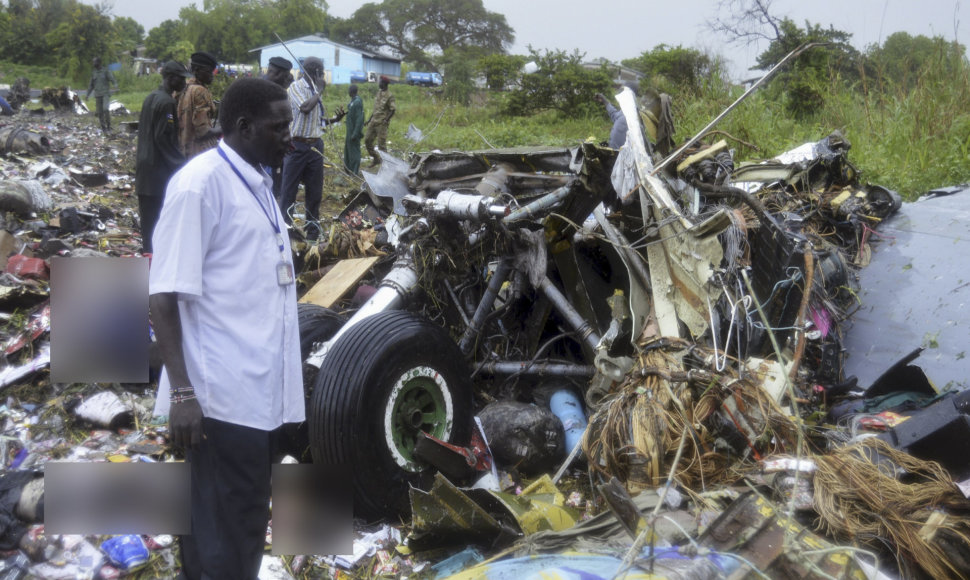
909,141
40,76
480,125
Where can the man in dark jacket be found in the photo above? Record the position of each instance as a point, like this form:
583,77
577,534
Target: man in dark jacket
280,72
159,155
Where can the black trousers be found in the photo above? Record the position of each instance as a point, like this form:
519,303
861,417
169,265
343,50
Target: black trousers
231,471
304,163
149,208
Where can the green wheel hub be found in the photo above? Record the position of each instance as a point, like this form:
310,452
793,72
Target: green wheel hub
419,402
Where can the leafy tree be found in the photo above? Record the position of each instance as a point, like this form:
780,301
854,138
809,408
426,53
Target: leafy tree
500,70
25,40
161,40
181,51
903,59
299,17
810,75
231,28
128,32
675,68
561,83
75,42
418,30
458,68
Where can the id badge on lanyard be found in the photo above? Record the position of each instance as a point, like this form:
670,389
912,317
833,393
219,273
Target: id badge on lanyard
284,269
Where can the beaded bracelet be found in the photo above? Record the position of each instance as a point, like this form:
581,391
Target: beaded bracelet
175,399
181,394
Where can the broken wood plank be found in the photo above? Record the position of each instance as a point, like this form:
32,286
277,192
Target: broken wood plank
342,277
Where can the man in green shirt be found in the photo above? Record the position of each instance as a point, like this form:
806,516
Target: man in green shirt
355,130
100,85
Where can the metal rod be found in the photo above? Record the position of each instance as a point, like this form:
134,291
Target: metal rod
544,202
296,60
538,369
569,461
499,277
302,71
717,119
572,316
454,298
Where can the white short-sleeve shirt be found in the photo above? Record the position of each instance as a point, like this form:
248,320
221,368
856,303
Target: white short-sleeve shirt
216,247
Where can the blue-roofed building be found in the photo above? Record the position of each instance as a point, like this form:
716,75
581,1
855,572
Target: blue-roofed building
343,64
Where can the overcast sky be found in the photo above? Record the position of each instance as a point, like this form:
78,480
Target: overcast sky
619,29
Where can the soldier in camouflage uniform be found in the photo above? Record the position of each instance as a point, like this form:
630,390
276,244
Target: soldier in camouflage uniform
196,110
380,118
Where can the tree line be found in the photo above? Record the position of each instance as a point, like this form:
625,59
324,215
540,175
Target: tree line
464,40
65,34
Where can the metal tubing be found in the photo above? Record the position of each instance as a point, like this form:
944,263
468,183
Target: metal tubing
501,274
544,202
574,318
390,294
539,369
494,180
454,298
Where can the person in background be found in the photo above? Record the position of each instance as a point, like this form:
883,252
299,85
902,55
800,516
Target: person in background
305,162
5,108
196,110
618,132
380,119
100,85
278,72
355,131
223,303
158,155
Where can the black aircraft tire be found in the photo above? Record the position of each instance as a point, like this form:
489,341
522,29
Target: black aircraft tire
317,324
390,376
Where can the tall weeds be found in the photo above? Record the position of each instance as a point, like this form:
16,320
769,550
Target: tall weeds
909,138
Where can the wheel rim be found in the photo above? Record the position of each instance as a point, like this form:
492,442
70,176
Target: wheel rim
419,402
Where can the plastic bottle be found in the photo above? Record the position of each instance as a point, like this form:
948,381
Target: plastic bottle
569,409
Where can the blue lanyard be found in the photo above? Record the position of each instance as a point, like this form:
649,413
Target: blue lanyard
273,221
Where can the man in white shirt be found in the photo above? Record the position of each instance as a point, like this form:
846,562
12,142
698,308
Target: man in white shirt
223,304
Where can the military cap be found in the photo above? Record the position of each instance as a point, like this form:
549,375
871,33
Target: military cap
204,59
173,67
280,63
